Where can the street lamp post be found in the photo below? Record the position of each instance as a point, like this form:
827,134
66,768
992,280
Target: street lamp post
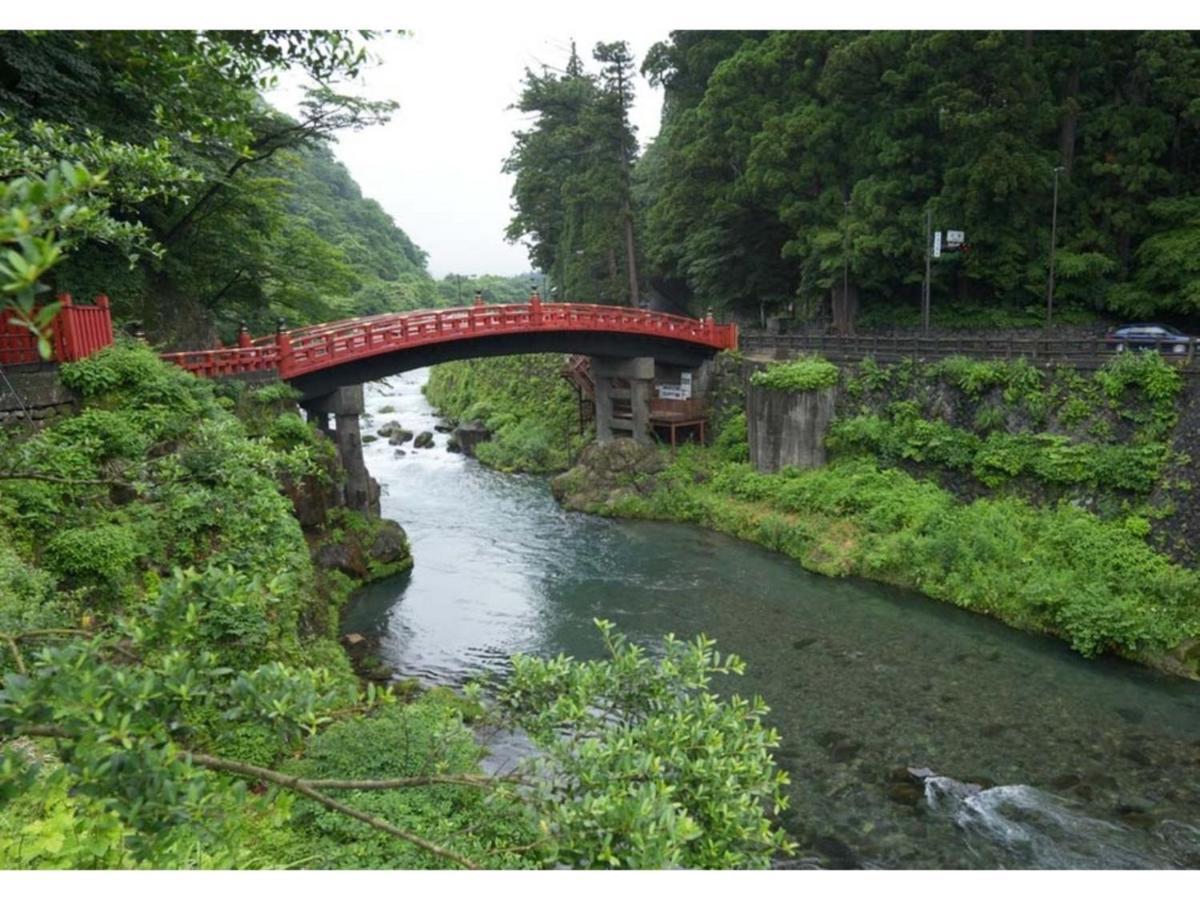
1053,241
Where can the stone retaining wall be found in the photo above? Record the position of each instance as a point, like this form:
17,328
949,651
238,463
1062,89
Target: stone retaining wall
34,396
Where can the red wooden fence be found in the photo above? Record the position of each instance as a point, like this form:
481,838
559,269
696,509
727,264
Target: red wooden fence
78,331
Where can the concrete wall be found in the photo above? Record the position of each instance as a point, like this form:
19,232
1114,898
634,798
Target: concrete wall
788,429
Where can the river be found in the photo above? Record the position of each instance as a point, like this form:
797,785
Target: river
1075,763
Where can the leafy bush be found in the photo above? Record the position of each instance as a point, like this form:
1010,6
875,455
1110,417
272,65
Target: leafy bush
802,374
643,766
733,441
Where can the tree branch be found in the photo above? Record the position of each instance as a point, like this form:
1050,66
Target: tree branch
54,479
16,652
308,787
300,786
240,768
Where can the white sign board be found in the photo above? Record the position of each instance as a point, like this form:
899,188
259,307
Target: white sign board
954,239
671,392
937,244
685,385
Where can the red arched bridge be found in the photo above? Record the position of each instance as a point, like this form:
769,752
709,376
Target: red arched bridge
318,359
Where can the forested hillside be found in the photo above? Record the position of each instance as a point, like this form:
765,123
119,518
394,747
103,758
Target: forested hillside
214,208
784,156
794,170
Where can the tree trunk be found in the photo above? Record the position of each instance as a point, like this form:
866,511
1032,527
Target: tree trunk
844,307
631,259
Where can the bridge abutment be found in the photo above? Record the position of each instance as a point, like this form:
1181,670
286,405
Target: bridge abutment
623,390
346,405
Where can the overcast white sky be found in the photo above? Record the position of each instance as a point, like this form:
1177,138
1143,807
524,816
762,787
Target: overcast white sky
436,166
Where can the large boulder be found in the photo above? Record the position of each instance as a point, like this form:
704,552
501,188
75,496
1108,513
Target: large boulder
469,435
390,545
423,440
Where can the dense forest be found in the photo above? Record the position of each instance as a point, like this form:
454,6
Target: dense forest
794,170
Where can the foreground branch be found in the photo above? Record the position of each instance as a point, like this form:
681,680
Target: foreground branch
251,771
300,786
54,479
308,788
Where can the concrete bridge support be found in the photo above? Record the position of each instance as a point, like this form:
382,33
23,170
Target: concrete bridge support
346,405
623,410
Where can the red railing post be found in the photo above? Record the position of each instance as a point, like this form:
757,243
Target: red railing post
535,308
64,343
106,327
283,346
244,339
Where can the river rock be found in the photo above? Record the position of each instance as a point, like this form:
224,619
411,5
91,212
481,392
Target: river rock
443,427
469,435
388,429
390,544
837,851
337,556
370,438
452,445
423,440
401,453
400,436
906,794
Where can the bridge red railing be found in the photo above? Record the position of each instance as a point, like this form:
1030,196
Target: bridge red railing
315,347
78,331
227,360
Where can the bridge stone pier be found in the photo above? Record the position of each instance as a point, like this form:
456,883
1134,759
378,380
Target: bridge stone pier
345,405
623,410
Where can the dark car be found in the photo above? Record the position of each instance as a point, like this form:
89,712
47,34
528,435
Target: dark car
1163,338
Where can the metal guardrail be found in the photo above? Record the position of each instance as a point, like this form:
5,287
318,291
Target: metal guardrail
1081,353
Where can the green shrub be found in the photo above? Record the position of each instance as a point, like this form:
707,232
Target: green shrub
802,374
97,556
733,441
647,767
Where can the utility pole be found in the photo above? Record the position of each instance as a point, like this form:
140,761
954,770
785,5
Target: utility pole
925,292
1053,241
844,318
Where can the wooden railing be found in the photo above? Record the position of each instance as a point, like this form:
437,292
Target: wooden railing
78,331
1082,353
312,348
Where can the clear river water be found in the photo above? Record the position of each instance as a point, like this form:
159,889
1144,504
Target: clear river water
1036,758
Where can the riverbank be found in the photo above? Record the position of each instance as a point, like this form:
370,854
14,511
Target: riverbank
1059,571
